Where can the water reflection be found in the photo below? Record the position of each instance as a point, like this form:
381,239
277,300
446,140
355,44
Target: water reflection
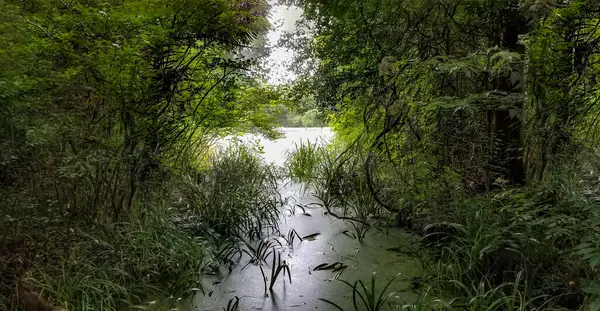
274,150
329,245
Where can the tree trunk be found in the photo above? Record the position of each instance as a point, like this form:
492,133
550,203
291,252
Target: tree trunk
509,129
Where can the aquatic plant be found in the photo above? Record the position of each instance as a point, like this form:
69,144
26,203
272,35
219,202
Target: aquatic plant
261,251
233,304
360,230
302,161
290,237
366,297
278,267
292,209
228,250
337,268
120,264
237,195
311,237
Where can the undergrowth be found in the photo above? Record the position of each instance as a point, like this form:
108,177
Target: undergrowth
158,247
509,248
237,196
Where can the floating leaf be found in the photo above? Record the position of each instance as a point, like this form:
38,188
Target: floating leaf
349,234
329,266
311,237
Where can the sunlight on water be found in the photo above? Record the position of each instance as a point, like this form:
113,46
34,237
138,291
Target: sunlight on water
275,150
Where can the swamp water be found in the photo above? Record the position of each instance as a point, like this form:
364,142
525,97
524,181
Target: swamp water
387,254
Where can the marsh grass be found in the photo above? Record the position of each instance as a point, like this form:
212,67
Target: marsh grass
337,180
365,296
291,236
176,229
228,250
237,196
360,231
482,296
485,296
508,249
260,251
279,267
121,264
337,268
303,160
293,208
492,261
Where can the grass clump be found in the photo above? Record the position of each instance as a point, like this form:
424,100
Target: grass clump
366,296
157,247
303,161
512,239
124,263
238,195
108,265
337,179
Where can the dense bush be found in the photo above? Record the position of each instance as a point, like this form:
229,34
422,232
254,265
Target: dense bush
168,238
108,112
511,248
475,122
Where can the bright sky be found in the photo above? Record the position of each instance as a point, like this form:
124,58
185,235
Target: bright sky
283,19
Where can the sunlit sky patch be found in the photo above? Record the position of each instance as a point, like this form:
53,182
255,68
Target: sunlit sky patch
283,19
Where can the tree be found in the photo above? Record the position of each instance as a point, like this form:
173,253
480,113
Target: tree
446,81
131,86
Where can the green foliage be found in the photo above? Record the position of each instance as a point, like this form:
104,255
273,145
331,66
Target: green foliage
309,118
366,297
111,264
237,195
360,231
159,250
475,123
302,161
108,112
278,267
338,180
296,109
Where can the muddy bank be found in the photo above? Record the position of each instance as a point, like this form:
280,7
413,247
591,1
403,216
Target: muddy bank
387,254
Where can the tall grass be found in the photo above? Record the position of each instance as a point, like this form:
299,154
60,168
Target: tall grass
366,296
117,264
303,160
508,249
337,179
238,195
171,234
501,253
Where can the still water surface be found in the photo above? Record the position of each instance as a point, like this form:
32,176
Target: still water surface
384,253
275,150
